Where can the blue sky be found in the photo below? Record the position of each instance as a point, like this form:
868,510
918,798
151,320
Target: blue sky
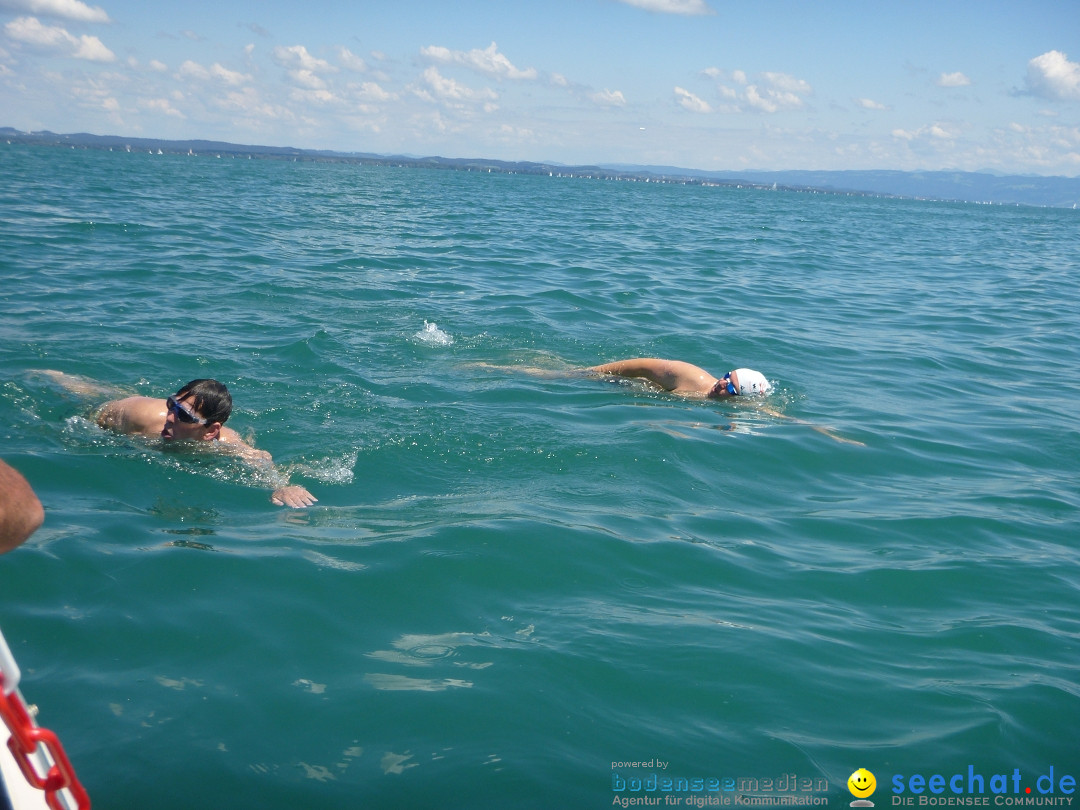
705,84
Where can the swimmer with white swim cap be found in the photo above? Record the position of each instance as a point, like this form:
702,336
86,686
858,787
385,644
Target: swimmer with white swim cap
687,379
677,377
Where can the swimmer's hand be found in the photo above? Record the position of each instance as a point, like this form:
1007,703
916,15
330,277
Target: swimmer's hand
294,496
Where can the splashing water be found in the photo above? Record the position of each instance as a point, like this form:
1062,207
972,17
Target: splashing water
432,335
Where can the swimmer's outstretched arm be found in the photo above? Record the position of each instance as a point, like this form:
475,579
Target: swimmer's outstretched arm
671,375
826,431
292,495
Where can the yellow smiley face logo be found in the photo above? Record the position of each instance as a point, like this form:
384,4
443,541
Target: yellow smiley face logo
861,783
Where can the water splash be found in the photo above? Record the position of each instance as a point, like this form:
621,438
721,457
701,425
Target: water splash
432,335
329,470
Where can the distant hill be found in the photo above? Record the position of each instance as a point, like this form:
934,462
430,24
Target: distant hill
1055,192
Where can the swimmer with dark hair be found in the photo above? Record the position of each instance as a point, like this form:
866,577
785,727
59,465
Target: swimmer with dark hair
197,412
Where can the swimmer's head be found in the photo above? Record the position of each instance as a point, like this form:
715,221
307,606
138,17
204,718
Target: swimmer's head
211,399
741,382
748,382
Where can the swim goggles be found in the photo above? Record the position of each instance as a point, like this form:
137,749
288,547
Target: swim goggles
183,414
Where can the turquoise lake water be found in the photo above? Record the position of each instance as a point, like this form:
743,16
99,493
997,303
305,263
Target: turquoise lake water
525,589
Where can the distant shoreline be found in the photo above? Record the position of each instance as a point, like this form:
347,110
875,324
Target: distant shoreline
940,186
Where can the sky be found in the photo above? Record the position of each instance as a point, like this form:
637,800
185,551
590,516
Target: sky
911,85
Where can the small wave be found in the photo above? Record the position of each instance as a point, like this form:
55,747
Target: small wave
432,335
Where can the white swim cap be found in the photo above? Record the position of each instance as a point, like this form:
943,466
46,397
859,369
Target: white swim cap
752,382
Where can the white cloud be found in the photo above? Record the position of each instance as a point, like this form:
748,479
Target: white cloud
93,49
351,61
870,104
691,102
933,131
308,79
230,77
160,105
953,80
1043,147
1053,76
759,102
515,135
53,39
783,83
302,67
448,90
297,56
422,94
777,91
771,92
314,95
445,88
247,102
609,98
370,91
488,61
717,75
193,70
65,9
687,7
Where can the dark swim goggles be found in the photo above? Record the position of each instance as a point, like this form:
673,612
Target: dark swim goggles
183,414
730,386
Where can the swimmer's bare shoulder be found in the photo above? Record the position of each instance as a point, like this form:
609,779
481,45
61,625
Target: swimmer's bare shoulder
141,416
